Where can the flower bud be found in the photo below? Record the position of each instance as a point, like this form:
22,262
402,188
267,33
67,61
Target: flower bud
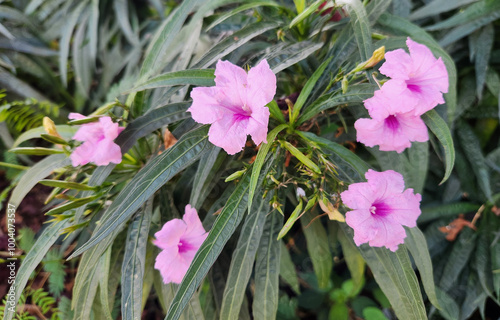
50,127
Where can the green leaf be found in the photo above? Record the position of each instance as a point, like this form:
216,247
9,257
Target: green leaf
233,42
476,11
354,260
318,248
194,77
458,259
164,36
151,121
42,245
223,228
440,129
150,178
401,25
241,8
133,267
450,309
36,173
446,210
304,94
284,55
267,265
436,7
104,270
482,45
36,151
302,157
291,220
417,245
470,143
66,185
287,269
361,26
275,111
373,313
305,13
84,301
355,95
345,154
71,205
395,276
67,132
243,258
205,173
259,161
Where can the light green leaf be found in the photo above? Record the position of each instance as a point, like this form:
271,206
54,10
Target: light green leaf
318,248
156,173
66,185
194,77
303,14
104,269
36,173
36,151
302,157
287,269
67,132
243,258
440,129
203,179
304,94
133,267
267,265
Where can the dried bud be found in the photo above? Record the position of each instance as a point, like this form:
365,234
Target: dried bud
50,127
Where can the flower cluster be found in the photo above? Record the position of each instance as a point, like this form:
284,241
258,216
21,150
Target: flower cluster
381,207
179,241
98,145
418,81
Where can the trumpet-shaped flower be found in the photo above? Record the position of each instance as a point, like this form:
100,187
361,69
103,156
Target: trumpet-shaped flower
98,145
236,106
424,76
381,207
179,241
393,125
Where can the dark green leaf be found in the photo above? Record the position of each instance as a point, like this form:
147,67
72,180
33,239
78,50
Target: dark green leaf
195,77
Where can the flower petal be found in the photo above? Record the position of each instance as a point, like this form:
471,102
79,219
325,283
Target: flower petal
261,85
171,265
362,222
385,184
206,107
390,234
397,65
257,125
107,151
358,196
229,133
170,234
233,80
82,154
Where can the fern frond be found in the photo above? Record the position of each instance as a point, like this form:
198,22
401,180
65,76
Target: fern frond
54,264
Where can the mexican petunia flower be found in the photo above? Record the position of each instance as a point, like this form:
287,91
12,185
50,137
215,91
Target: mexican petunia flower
381,207
424,76
179,241
393,125
98,145
236,106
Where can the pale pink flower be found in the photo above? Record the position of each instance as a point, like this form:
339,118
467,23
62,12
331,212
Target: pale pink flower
236,106
393,125
179,241
98,145
381,207
424,76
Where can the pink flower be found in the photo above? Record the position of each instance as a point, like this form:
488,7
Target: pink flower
236,106
424,76
98,145
393,125
179,241
381,207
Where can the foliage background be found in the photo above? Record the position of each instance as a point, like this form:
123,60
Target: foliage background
137,60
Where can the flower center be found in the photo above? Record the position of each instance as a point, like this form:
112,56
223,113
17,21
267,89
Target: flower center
392,122
413,87
379,208
184,246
